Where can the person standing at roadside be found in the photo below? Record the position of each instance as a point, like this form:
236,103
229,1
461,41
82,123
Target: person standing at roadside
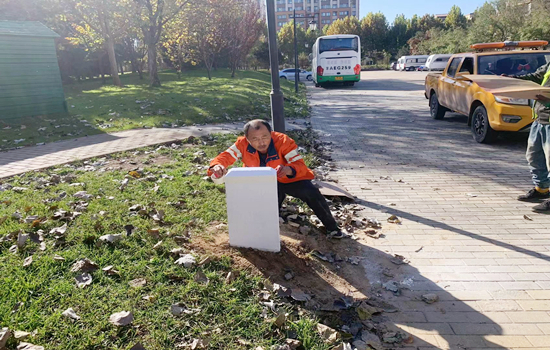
538,145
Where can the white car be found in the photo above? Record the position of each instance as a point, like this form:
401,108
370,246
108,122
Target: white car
289,74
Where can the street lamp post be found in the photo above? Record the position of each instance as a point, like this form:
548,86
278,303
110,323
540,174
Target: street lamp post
277,102
296,69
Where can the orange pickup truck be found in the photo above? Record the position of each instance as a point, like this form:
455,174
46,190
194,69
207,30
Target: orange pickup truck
487,114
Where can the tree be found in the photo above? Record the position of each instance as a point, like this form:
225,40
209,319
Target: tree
455,18
538,24
244,29
286,40
374,33
152,15
398,35
206,31
107,19
347,25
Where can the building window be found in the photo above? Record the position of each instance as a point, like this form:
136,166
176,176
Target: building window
353,13
334,13
299,8
280,24
344,5
289,9
280,9
325,6
316,8
290,1
281,17
335,6
344,13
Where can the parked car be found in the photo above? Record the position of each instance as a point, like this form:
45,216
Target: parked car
487,114
411,62
437,62
289,74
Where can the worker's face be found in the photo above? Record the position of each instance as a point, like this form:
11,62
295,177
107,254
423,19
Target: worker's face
259,139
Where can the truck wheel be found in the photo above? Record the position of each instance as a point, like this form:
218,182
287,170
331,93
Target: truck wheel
436,110
481,130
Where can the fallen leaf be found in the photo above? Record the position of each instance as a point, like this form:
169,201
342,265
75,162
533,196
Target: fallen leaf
328,334
110,271
230,277
129,229
5,334
527,217
83,195
58,258
20,335
84,265
198,344
27,261
280,320
29,346
200,277
134,174
123,184
179,309
138,346
59,230
299,295
394,220
122,318
111,238
399,260
21,239
281,290
138,282
83,280
71,314
187,260
471,195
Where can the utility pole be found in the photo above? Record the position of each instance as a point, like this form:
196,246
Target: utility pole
277,102
296,69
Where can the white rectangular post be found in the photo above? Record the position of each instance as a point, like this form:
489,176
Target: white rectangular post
252,208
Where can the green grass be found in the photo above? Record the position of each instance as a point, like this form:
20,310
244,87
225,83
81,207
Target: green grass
192,99
46,288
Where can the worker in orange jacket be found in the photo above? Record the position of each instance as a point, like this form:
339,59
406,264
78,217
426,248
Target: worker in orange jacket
262,147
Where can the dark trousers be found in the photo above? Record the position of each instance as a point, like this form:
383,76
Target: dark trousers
308,193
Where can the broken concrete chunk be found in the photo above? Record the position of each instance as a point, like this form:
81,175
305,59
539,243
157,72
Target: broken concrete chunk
83,280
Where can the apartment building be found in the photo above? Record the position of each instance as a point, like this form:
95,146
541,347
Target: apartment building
323,11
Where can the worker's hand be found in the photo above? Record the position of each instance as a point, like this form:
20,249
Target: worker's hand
543,99
219,170
283,170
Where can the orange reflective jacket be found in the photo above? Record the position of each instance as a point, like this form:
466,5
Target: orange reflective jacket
282,151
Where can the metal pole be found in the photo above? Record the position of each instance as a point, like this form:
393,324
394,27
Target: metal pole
296,72
277,103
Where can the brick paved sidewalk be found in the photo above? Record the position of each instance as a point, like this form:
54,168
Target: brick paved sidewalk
463,230
39,157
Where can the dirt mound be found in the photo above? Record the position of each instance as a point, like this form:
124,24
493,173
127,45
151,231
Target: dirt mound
325,281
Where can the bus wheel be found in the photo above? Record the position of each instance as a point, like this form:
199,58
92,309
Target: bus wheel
317,85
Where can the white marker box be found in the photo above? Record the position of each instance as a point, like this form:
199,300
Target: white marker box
252,208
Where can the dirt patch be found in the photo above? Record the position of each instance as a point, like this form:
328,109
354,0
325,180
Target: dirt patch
325,281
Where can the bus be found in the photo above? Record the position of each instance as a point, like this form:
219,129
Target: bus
336,59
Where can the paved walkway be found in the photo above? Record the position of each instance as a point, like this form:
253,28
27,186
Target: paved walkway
463,231
39,157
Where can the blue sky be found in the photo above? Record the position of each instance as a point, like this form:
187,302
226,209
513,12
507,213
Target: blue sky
392,8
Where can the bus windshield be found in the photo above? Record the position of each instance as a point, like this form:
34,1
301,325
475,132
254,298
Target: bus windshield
341,44
512,64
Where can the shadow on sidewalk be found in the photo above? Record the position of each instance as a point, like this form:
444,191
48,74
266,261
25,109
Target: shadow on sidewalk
441,325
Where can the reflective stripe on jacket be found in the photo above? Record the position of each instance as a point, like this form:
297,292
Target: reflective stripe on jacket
282,151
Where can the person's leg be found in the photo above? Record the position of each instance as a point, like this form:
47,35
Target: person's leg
544,182
307,192
281,195
537,161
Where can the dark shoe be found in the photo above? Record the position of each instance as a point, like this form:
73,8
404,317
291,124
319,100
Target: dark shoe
544,206
336,234
533,195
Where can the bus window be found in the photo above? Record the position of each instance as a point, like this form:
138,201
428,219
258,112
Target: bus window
341,44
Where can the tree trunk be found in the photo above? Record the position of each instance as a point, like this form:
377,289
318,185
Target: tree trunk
121,68
154,79
233,69
110,46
